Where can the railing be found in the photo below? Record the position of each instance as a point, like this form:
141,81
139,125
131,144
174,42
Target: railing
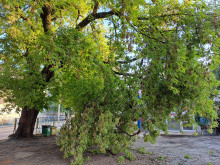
48,120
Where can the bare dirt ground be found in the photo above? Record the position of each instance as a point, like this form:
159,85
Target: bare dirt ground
169,150
186,150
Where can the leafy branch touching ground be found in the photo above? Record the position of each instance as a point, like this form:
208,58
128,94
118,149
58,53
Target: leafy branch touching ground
121,159
143,150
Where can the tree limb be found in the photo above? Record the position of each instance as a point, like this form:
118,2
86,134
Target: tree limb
91,17
140,32
164,15
169,15
78,15
96,7
129,61
46,20
122,131
46,17
122,74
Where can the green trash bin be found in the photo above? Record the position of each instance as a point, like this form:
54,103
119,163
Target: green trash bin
46,130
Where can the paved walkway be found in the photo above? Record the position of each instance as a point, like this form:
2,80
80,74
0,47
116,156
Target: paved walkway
5,132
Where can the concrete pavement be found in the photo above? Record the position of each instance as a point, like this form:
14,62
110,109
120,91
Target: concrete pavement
5,132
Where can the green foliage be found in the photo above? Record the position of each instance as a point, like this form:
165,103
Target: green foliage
149,153
211,152
187,156
195,134
142,150
53,106
130,155
152,136
87,159
121,159
217,73
161,157
62,51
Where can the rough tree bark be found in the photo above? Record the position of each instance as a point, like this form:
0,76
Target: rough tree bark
26,123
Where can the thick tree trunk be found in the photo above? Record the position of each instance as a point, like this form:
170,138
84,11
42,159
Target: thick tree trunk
26,123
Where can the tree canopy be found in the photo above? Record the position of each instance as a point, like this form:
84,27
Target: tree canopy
96,56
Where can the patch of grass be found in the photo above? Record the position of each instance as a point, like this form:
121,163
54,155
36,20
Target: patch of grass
130,155
210,164
149,153
87,159
143,150
187,156
121,159
211,152
162,157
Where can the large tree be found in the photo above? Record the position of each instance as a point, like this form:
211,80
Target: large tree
27,51
95,56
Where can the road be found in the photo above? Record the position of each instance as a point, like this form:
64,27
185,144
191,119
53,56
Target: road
5,132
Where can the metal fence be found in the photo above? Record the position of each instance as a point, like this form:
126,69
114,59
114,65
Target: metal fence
173,126
48,120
